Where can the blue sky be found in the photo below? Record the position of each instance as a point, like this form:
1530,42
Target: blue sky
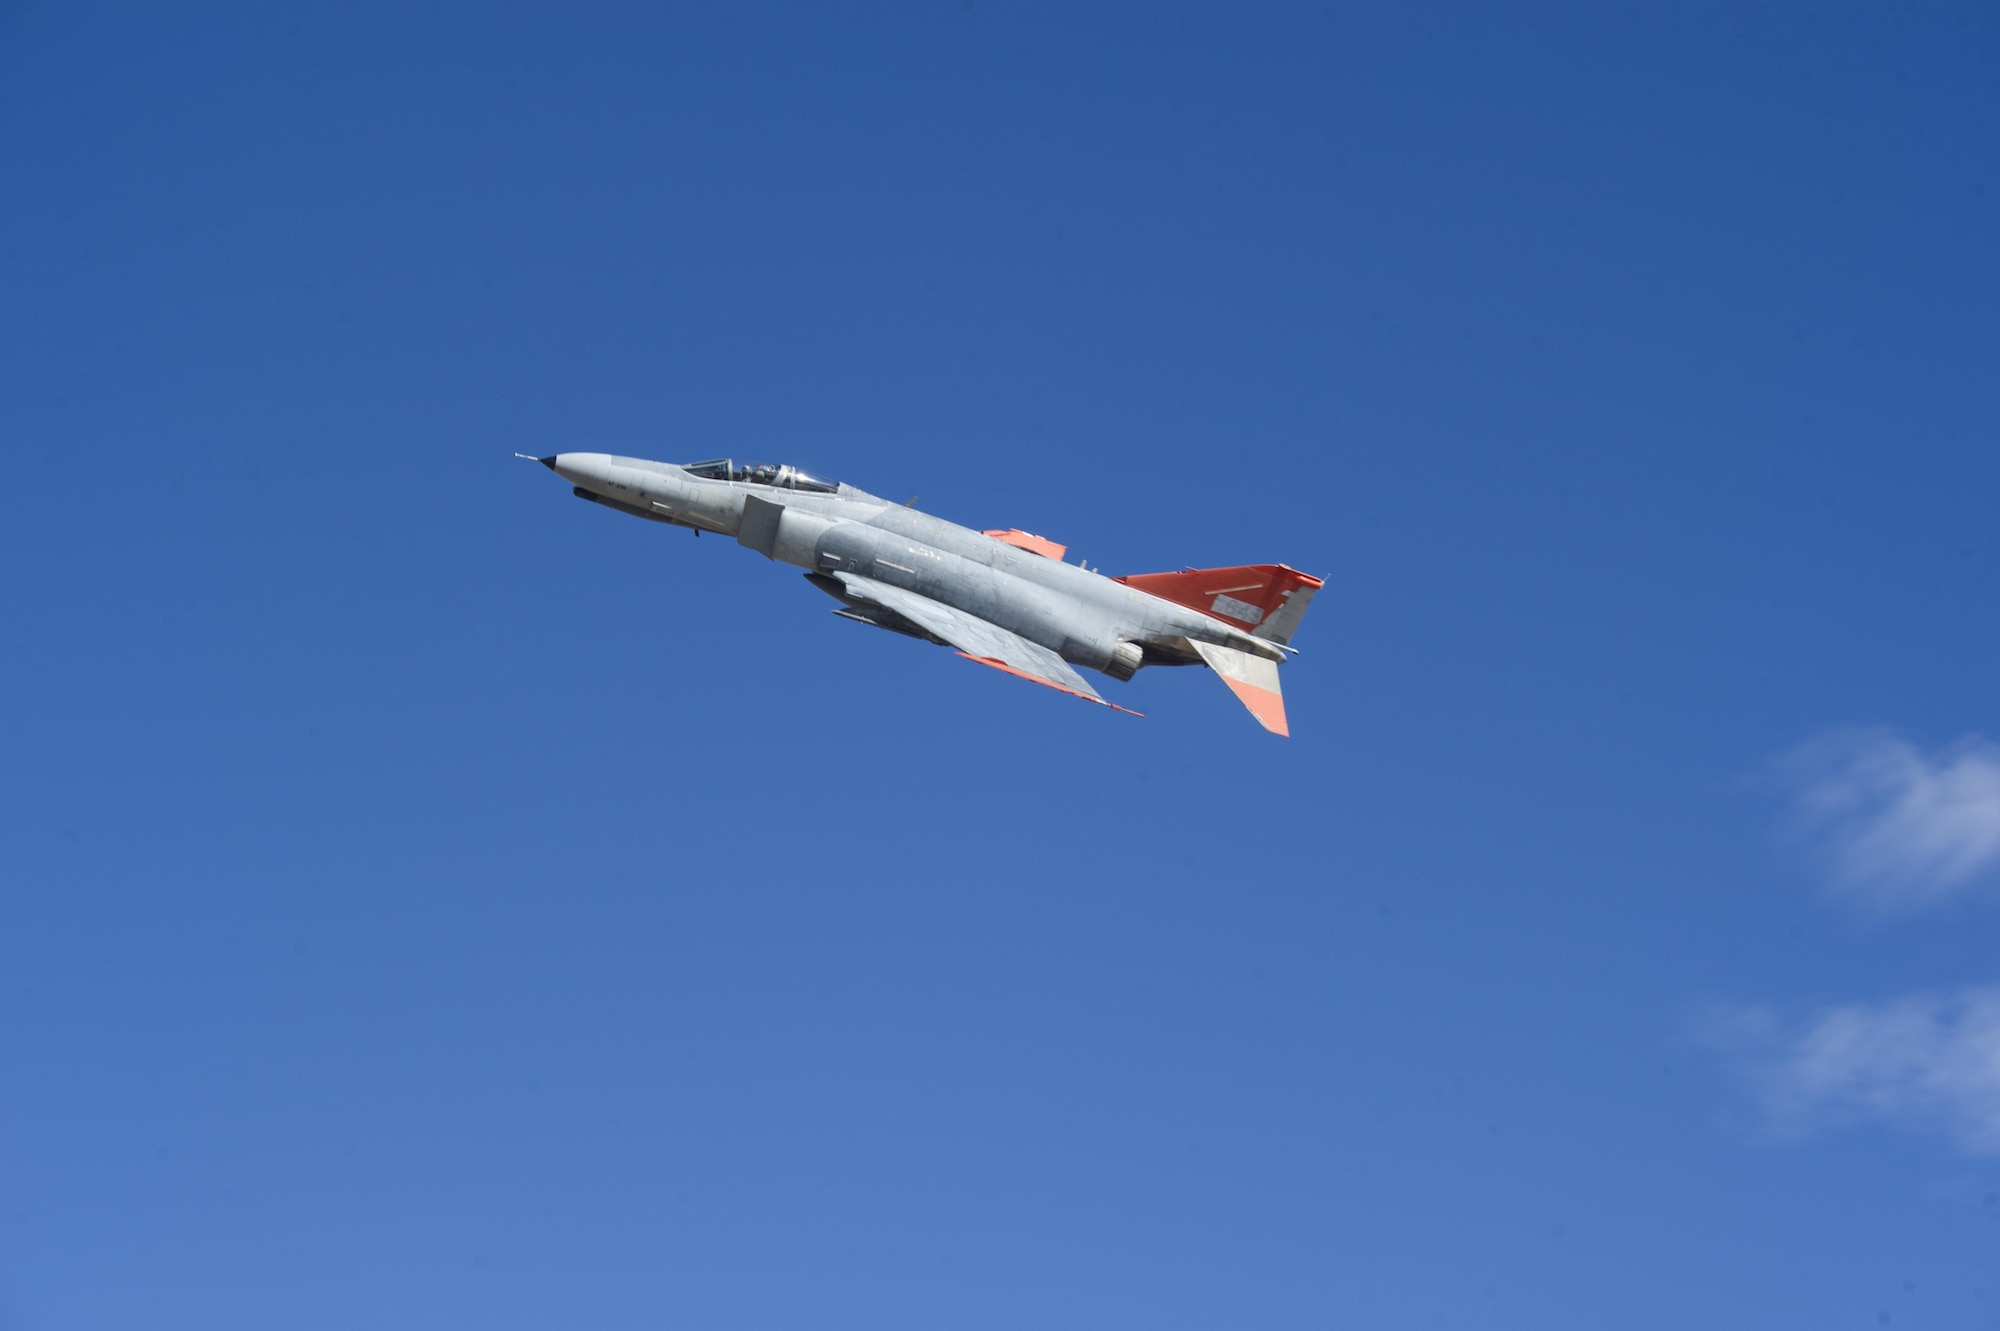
431,901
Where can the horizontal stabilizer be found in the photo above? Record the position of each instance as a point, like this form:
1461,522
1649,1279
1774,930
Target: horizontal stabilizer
1269,600
1252,679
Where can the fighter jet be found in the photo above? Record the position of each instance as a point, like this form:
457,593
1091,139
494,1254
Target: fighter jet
1003,598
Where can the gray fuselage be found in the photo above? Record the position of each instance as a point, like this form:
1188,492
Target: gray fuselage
1086,618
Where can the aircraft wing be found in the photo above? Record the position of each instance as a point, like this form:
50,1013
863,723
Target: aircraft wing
977,639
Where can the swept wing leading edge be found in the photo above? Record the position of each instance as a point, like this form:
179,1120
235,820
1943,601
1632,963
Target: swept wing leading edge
976,639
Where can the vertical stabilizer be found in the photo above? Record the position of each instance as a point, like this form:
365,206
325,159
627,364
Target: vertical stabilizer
1265,600
1282,623
1252,679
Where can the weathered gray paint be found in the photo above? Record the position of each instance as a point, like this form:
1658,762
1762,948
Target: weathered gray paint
903,569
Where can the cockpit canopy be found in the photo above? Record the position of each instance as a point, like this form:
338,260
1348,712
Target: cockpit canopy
761,473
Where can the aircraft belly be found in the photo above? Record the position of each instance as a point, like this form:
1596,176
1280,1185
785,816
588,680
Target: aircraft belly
1043,615
1070,610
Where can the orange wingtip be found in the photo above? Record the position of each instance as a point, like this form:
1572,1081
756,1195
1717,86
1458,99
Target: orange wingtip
1040,545
998,664
1266,706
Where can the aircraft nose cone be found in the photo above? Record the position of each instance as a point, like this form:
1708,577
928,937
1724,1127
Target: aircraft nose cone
587,469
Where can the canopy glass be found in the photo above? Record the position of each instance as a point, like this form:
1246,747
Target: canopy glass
761,473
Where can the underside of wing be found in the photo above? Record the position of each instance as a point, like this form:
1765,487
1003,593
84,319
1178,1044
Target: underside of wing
976,639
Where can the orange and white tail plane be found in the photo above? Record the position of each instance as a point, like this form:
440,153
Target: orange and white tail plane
1265,600
1268,600
1252,679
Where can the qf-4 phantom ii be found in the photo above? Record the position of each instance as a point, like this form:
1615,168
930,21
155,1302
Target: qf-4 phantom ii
1004,598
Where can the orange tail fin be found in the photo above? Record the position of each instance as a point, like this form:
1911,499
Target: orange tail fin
1269,600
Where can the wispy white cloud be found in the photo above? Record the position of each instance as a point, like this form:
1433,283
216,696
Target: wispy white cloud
1925,1061
1899,829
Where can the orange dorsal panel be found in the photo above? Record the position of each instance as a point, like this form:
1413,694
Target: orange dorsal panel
1244,597
1040,545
